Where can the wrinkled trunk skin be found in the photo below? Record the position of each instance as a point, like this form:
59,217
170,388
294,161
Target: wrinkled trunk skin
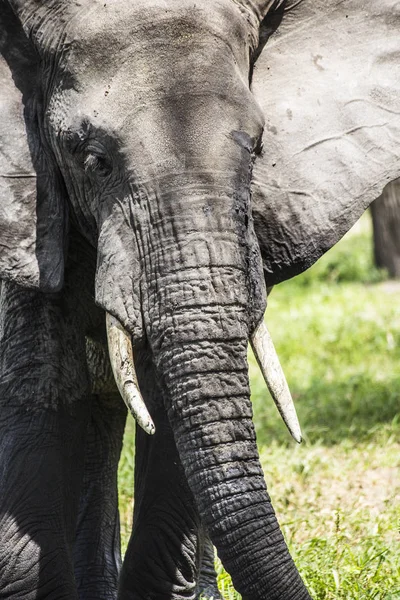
386,227
202,293
211,416
199,341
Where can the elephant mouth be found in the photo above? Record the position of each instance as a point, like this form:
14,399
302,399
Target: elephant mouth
121,357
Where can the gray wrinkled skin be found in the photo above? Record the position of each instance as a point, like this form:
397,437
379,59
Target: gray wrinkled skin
133,180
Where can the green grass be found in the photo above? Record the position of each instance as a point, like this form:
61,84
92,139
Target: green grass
337,332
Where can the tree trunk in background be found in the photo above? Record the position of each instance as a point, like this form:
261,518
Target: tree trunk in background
386,227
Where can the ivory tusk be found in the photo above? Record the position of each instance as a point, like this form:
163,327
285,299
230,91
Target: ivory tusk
121,357
268,361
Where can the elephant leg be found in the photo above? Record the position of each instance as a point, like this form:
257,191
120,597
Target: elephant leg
97,552
164,553
43,419
207,585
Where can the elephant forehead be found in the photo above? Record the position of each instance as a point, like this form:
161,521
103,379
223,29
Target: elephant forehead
166,107
104,34
122,57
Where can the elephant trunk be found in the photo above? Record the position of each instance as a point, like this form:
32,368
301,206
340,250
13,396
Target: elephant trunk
201,296
208,402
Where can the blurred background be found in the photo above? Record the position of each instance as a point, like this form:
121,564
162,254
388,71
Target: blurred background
337,332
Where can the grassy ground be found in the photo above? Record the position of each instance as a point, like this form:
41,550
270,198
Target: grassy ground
337,332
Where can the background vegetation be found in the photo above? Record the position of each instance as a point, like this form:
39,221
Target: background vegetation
337,332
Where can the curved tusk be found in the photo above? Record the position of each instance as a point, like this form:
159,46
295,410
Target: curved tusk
121,357
268,361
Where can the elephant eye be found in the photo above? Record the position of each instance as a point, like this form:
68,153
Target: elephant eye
97,164
87,151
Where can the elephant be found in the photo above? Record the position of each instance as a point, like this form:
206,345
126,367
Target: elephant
385,212
162,164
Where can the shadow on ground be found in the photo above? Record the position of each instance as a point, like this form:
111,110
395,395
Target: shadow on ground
359,409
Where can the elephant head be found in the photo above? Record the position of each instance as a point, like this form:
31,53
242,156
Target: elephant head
206,150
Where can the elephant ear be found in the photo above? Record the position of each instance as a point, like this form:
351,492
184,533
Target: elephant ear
32,200
328,81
